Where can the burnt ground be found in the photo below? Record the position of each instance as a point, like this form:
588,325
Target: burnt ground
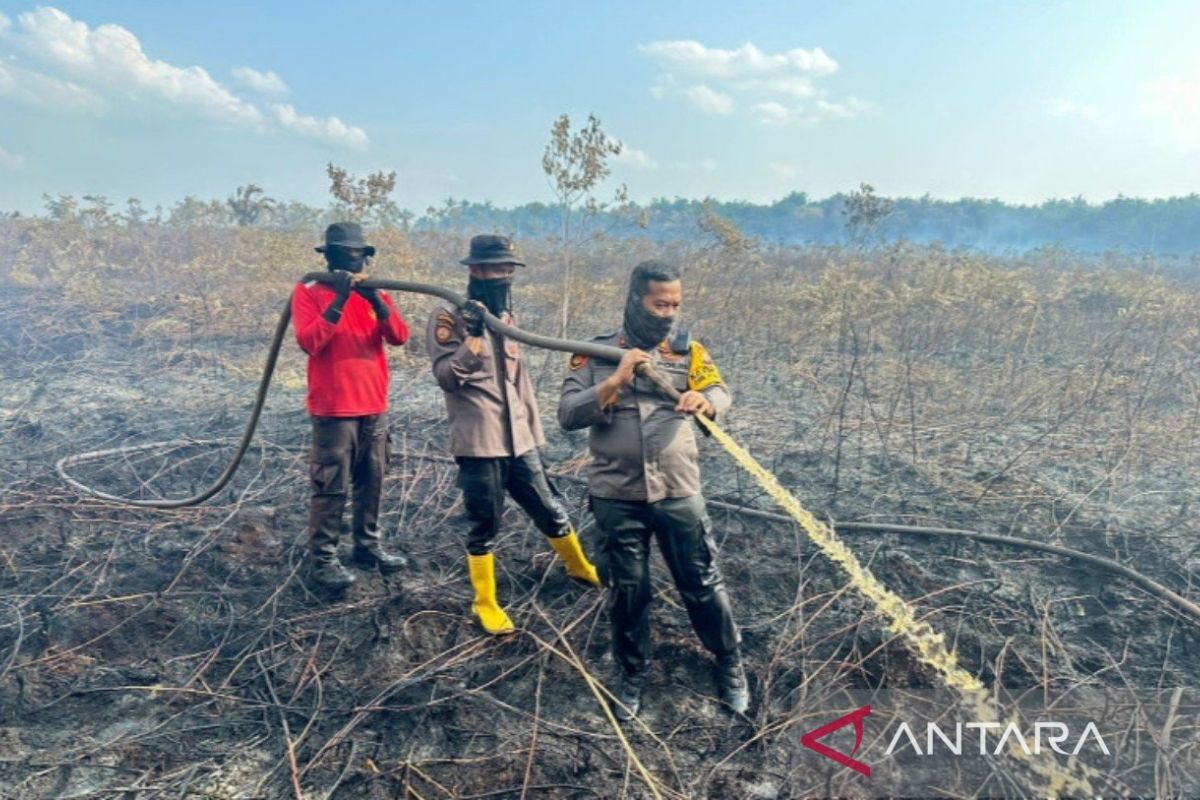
178,654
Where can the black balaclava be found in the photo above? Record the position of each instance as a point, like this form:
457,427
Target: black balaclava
643,329
493,293
338,257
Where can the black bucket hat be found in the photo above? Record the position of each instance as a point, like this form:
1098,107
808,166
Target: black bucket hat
345,234
488,248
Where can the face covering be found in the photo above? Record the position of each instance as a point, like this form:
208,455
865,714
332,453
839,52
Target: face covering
340,258
492,293
643,329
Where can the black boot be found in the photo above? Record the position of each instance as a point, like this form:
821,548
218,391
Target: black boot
329,574
732,684
371,555
628,696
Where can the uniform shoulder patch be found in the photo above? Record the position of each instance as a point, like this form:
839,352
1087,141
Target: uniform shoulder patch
444,327
702,371
578,361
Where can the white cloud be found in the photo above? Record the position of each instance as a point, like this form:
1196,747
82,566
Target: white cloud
10,161
693,58
110,58
1177,100
44,91
773,113
798,86
331,129
785,169
263,82
1061,107
778,88
98,69
845,109
635,158
709,100
703,165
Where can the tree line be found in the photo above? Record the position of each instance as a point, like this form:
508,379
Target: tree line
576,164
1166,226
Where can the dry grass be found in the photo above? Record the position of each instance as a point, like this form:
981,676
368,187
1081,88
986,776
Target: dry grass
175,655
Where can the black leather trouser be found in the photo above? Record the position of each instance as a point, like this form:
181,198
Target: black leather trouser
684,533
347,453
484,482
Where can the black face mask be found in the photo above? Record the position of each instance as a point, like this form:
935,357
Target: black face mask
340,258
493,293
643,329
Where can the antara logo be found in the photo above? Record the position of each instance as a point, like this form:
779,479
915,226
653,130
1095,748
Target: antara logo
1056,733
811,740
1010,735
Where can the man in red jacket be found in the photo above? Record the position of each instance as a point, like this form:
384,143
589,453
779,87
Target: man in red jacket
342,327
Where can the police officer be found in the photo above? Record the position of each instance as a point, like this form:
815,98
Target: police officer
645,480
343,328
495,428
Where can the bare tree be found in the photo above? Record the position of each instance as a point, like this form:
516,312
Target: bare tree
64,207
249,204
865,213
135,212
360,198
194,211
575,163
98,210
446,216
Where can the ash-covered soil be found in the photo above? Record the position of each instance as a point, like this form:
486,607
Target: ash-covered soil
178,654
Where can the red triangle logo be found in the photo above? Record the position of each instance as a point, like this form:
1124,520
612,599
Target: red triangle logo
811,740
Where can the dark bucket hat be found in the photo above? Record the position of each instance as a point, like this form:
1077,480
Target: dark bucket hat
345,234
488,248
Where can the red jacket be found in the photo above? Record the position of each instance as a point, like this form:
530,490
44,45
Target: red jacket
347,369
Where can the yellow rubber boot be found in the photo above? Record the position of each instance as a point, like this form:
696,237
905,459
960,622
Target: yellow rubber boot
485,608
578,567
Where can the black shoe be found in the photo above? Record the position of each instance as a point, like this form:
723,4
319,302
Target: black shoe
732,684
628,697
375,557
331,575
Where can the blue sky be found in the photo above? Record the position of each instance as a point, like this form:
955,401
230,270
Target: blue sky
1017,100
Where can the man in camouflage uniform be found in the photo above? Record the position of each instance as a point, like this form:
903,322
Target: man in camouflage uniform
495,428
645,479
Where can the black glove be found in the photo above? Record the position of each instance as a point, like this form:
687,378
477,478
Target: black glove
341,285
372,296
472,317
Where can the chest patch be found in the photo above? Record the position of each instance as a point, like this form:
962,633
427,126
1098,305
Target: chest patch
668,355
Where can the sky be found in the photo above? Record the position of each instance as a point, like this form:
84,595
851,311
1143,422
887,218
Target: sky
1021,101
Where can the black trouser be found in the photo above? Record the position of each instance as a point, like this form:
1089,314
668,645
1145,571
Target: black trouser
684,533
347,452
484,481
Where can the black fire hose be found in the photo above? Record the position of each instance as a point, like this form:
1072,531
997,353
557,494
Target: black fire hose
600,351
